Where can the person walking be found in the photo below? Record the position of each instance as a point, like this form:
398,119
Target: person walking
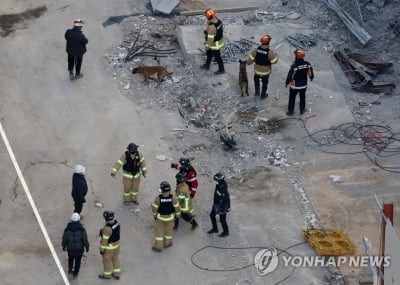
109,247
214,37
79,188
185,167
74,241
263,58
185,201
221,205
297,76
76,48
133,165
165,209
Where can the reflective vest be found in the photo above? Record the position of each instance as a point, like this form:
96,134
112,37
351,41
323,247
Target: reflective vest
166,205
131,164
262,56
115,236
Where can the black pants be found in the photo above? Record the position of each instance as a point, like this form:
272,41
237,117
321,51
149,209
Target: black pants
217,55
74,61
77,261
264,80
78,207
292,99
222,219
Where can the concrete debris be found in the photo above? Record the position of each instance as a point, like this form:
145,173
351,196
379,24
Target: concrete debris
162,157
279,15
302,41
394,26
336,178
360,70
233,51
99,204
361,34
165,7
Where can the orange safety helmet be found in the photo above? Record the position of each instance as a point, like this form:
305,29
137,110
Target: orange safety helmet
210,14
265,39
299,53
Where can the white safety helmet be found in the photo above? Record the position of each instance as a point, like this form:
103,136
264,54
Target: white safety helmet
78,23
75,217
79,169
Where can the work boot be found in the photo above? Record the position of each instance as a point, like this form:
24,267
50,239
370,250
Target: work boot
194,224
115,277
168,245
71,75
78,75
219,72
289,113
70,272
263,96
212,231
74,275
205,67
302,112
156,249
223,234
135,202
101,276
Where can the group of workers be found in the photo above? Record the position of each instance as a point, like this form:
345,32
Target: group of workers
167,209
262,57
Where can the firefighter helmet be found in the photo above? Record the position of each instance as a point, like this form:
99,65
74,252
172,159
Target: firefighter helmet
210,14
132,147
165,187
78,23
75,217
180,177
219,177
185,162
79,169
265,39
108,215
299,53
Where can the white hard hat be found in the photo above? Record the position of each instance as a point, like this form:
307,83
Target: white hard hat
78,23
79,169
75,217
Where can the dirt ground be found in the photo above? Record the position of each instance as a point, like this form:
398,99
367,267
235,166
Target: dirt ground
91,122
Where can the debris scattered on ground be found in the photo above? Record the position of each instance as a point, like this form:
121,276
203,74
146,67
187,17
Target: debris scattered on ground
336,178
302,41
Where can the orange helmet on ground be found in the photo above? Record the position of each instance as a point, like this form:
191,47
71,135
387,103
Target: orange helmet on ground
209,14
299,53
265,39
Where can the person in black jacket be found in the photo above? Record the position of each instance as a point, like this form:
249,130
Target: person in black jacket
297,77
76,47
221,205
75,240
79,188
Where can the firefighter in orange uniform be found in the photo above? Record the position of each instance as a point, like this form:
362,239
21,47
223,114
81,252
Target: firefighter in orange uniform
165,210
263,57
185,201
133,165
109,247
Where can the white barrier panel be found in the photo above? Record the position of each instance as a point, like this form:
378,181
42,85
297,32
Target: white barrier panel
392,249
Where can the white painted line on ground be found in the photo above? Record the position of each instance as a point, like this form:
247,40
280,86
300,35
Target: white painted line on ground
32,202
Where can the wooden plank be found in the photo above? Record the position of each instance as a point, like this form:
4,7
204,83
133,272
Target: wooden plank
233,9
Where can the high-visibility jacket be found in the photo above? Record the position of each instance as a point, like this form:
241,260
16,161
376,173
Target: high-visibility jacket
214,34
110,236
169,206
263,57
122,161
185,201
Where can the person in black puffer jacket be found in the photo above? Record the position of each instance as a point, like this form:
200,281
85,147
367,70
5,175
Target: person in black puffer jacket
75,240
79,188
76,47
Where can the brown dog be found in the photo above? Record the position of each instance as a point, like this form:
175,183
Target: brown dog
243,81
147,71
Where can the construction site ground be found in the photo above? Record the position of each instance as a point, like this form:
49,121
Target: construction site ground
53,123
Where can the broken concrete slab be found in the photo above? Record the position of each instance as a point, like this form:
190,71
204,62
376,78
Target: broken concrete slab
164,6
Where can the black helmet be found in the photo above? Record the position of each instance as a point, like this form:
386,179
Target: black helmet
108,215
165,187
184,162
180,177
132,147
219,177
